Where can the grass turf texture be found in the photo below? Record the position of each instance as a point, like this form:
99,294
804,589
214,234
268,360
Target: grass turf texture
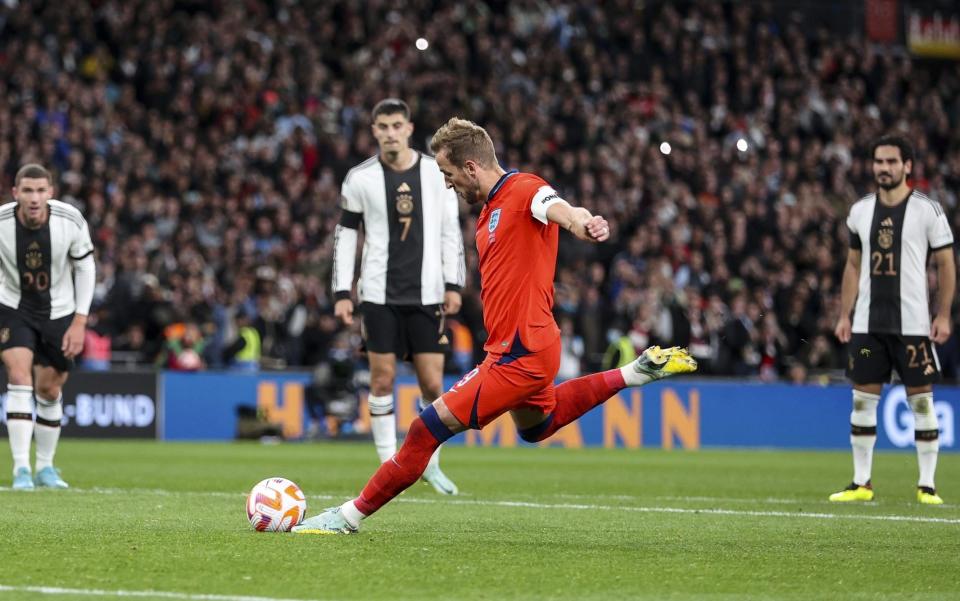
533,524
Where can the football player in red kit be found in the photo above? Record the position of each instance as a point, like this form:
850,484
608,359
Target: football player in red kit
517,236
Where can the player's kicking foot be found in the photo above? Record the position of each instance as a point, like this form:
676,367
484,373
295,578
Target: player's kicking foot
854,492
22,480
656,363
928,496
439,481
49,477
331,521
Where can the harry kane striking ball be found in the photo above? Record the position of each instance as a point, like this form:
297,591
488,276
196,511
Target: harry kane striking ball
517,236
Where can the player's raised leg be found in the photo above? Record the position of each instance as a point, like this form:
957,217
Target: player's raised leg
49,397
579,395
429,368
19,407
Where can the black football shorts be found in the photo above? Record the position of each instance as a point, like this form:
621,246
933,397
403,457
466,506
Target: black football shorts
403,329
873,357
43,337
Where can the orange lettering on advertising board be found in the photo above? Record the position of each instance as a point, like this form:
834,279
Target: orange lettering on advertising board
623,423
287,412
678,421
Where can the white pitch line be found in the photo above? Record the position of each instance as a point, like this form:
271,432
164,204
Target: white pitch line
567,506
734,512
770,500
691,499
56,590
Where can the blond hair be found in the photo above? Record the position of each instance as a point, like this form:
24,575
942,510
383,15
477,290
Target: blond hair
464,141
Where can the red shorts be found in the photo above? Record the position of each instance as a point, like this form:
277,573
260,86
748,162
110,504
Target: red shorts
505,382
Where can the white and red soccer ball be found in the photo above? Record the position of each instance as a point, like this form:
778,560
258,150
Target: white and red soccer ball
275,505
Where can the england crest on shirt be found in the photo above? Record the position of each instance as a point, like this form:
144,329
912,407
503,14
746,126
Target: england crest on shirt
494,220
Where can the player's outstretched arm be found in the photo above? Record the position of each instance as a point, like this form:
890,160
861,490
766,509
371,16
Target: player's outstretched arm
579,221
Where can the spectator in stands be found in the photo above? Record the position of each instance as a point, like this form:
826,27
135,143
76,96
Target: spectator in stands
202,149
130,348
243,354
184,348
571,351
97,342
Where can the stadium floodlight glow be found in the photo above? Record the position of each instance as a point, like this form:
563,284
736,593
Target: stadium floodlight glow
742,145
665,147
422,44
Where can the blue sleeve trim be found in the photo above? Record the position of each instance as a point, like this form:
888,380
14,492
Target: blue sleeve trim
433,423
534,433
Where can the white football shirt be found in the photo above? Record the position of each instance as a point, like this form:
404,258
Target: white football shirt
413,247
37,266
895,242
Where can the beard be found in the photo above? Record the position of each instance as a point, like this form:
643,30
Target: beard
891,183
472,195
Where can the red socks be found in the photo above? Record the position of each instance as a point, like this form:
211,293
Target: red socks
400,471
574,398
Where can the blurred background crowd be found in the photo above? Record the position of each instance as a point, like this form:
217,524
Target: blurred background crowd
205,142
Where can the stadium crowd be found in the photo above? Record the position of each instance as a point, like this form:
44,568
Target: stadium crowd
206,141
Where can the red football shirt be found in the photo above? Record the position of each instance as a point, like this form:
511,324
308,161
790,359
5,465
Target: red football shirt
518,257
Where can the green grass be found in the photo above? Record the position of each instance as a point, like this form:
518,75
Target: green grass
604,524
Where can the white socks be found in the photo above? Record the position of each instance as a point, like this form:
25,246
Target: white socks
863,434
863,424
862,458
46,434
350,513
22,430
927,461
20,426
927,431
632,377
383,425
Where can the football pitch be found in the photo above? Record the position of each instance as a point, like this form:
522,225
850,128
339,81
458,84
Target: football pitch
149,520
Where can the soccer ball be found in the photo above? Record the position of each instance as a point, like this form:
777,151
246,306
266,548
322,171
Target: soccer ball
275,505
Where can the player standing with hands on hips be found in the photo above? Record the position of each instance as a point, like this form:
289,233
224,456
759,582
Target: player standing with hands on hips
47,277
411,271
517,236
891,233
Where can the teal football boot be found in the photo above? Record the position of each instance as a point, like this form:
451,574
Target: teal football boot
49,477
331,521
22,480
